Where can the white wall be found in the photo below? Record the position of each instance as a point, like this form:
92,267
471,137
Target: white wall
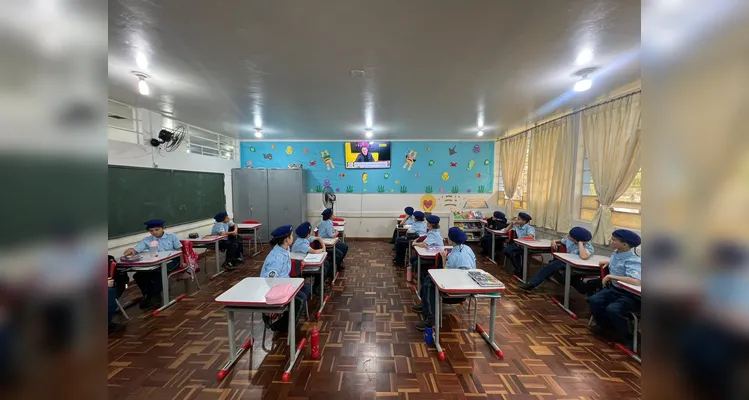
137,155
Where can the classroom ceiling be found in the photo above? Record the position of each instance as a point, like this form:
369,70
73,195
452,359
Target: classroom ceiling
416,69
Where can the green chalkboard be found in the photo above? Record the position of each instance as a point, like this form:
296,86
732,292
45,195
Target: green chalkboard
178,197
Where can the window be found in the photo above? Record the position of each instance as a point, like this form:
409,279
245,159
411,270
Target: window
207,143
625,211
520,199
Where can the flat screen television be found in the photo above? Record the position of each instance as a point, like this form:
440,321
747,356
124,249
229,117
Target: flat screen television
367,155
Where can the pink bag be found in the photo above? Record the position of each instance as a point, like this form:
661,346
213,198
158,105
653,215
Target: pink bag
279,294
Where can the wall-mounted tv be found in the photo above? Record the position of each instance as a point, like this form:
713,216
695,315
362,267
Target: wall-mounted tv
367,155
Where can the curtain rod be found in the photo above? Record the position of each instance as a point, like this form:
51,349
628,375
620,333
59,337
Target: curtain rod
574,112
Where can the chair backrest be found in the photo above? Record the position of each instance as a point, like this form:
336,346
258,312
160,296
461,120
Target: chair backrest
511,235
561,248
314,244
420,239
402,216
604,271
336,223
296,268
250,221
112,266
337,219
444,241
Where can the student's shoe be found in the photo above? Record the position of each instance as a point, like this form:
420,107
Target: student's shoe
526,286
240,260
418,308
115,327
228,265
427,322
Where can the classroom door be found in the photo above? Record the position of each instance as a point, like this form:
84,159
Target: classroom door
285,192
250,193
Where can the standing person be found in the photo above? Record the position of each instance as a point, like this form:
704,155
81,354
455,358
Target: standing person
364,156
233,243
418,229
325,229
149,282
498,221
407,220
302,245
577,242
522,227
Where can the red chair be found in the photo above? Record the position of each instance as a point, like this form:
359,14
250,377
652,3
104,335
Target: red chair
339,222
511,235
249,238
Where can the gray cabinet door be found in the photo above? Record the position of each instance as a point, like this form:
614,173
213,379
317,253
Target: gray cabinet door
284,194
250,193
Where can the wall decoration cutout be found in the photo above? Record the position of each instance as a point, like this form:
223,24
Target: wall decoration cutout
453,151
410,159
268,156
249,163
312,163
404,189
445,176
431,162
386,175
305,151
252,149
416,175
470,165
428,202
453,164
477,149
289,150
487,162
397,182
342,175
364,177
478,175
326,183
327,159
428,189
442,190
427,149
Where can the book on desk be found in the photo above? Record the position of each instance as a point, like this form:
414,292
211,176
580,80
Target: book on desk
314,258
484,279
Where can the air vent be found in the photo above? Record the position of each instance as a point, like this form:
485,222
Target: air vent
357,73
115,116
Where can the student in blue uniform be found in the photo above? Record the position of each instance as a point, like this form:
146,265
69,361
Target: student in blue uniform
278,265
497,222
407,220
418,229
577,242
461,257
433,238
612,305
233,243
302,245
524,230
325,229
149,282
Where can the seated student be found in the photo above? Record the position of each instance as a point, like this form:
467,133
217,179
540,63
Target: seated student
325,229
278,265
461,257
302,245
496,222
407,220
611,306
577,242
233,243
524,230
418,229
149,282
434,238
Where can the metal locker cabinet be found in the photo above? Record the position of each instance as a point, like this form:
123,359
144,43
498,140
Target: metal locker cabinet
285,191
250,194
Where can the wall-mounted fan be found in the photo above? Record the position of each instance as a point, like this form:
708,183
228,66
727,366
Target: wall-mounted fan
328,197
169,140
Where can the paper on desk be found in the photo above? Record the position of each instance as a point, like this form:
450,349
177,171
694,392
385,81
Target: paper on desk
314,258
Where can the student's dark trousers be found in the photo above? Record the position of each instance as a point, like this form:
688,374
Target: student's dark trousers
486,244
611,308
149,282
233,246
515,254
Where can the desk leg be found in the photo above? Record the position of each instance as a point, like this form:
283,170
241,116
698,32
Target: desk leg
234,354
492,255
292,340
490,337
219,271
566,305
166,303
254,237
437,319
323,298
335,268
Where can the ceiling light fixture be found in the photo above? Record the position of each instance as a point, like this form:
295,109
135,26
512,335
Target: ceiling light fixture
258,133
368,132
142,84
584,57
480,132
141,60
583,84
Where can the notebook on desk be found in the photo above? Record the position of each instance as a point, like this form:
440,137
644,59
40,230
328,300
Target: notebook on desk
484,279
314,258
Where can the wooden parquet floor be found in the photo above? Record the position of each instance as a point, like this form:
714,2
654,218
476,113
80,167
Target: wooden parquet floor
370,348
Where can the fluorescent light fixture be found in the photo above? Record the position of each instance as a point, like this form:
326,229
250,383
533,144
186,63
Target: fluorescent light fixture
368,132
582,85
585,56
141,60
143,87
480,132
258,133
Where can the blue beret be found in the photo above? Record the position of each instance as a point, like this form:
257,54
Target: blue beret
304,229
409,210
418,214
580,234
282,231
155,223
433,219
499,214
457,235
220,216
628,237
327,211
525,216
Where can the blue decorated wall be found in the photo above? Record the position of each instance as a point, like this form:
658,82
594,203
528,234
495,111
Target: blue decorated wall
440,167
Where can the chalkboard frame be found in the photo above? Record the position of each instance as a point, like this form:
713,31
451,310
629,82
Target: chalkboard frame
170,171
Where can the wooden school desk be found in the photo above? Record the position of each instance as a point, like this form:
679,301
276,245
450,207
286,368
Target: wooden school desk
590,265
425,252
538,246
205,242
147,263
457,283
315,268
249,296
495,233
250,228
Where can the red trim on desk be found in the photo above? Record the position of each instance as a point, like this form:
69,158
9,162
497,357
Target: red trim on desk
521,242
556,255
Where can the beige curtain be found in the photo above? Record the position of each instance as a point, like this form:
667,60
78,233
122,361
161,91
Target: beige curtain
551,171
611,133
512,155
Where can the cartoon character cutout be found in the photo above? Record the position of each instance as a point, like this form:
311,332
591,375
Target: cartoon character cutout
327,159
410,159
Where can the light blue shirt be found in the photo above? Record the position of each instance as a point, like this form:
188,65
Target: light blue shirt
301,245
461,256
325,229
167,242
434,238
277,264
525,230
574,248
220,227
409,220
419,228
625,264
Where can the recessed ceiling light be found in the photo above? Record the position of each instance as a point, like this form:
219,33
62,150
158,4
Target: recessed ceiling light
480,132
141,60
258,133
368,132
585,56
582,85
143,87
